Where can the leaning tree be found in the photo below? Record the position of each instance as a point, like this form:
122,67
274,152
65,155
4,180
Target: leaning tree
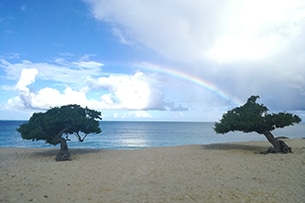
52,125
253,117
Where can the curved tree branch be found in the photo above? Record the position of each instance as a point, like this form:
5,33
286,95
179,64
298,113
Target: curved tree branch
56,139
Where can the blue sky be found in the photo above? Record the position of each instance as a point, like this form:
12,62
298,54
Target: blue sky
151,60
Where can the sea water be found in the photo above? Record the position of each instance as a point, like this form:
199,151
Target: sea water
135,135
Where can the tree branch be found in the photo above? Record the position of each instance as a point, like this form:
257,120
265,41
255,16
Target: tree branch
57,137
79,137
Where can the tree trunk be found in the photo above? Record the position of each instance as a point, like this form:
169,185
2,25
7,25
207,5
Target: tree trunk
278,145
63,154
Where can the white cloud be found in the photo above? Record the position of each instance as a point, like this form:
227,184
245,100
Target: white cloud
59,70
45,97
258,29
243,47
27,77
118,33
226,30
142,114
85,62
136,91
159,25
135,115
88,64
131,91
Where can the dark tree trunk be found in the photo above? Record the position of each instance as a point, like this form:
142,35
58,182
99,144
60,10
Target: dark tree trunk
278,145
63,154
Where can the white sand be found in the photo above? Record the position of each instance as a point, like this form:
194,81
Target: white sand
212,173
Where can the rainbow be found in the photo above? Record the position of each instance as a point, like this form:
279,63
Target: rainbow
191,78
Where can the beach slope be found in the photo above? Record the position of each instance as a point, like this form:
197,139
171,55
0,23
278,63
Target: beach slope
233,172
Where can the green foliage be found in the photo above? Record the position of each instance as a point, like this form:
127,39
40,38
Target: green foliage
253,117
69,119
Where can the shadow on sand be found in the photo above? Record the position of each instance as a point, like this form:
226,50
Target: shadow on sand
73,151
234,146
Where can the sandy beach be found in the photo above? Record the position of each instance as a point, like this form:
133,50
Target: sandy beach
233,172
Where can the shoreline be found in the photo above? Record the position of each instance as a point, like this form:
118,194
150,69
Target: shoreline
220,172
131,148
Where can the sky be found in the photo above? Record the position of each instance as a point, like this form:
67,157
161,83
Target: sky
153,60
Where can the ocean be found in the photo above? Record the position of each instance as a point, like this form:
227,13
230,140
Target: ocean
135,135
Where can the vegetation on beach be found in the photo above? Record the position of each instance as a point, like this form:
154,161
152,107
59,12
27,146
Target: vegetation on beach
253,117
58,121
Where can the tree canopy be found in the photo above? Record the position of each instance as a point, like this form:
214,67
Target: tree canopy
253,117
69,119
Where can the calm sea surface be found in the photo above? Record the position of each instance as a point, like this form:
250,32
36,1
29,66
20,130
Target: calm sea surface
133,135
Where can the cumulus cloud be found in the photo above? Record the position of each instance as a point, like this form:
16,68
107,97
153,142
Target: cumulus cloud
44,98
131,91
137,92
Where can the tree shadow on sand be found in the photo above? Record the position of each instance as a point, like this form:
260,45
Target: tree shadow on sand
234,146
74,152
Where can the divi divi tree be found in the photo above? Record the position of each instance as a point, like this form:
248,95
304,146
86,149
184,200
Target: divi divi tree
253,117
55,125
